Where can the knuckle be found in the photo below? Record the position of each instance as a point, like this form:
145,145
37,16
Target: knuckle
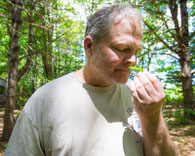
148,102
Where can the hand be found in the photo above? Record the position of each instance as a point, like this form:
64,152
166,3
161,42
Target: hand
148,95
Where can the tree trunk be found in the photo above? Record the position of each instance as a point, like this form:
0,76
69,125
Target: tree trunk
185,61
46,53
25,68
46,57
50,51
12,70
187,86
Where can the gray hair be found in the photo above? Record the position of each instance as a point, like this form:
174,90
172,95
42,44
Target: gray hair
99,23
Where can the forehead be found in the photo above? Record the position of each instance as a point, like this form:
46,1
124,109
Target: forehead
124,26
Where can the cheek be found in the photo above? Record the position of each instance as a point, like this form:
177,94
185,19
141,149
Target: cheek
113,58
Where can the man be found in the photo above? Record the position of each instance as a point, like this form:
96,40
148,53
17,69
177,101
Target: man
89,112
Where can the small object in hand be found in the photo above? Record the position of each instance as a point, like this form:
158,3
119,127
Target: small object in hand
136,68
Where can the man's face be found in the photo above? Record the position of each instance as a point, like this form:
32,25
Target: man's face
111,58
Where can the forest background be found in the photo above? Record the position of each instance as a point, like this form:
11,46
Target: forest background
41,40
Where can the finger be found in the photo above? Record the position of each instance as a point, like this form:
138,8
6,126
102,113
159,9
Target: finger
143,95
156,83
134,92
148,86
143,79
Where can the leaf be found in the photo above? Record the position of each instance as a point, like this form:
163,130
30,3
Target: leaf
136,68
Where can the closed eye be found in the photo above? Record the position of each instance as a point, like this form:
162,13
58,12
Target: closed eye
127,50
123,50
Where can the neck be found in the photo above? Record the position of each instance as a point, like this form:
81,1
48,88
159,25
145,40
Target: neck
80,75
89,76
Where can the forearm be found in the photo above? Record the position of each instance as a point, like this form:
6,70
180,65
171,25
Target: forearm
148,96
157,141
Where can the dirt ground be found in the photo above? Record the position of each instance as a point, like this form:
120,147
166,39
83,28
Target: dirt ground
182,133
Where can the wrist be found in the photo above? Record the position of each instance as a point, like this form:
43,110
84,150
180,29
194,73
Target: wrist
157,140
153,125
150,117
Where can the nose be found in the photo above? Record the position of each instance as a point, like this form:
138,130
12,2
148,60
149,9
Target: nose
131,60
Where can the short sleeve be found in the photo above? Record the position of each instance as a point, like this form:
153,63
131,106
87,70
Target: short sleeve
24,140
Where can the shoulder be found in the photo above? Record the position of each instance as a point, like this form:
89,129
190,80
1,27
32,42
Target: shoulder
57,86
50,96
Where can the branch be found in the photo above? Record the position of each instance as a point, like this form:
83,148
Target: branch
34,24
4,16
151,12
38,51
175,76
174,11
37,25
152,30
166,54
27,11
165,22
166,2
193,33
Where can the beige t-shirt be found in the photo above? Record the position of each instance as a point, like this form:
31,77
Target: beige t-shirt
68,118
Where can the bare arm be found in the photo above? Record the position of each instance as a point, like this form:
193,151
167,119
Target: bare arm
148,96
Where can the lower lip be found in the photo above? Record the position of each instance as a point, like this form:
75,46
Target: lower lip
123,70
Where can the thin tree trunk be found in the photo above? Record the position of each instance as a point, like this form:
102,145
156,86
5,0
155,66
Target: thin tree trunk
12,70
50,51
46,53
46,58
25,68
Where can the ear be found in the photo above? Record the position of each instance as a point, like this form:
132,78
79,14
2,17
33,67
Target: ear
88,45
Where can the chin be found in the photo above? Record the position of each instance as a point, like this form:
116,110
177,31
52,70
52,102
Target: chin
121,81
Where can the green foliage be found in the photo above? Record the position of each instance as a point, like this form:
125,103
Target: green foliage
5,145
4,68
182,115
64,28
17,114
4,46
63,35
173,94
174,97
179,115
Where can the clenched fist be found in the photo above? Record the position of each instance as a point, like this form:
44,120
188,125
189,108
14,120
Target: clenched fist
148,95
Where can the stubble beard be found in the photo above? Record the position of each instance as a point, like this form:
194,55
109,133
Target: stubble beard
109,75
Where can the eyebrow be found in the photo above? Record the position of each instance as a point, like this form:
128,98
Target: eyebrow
125,43
138,35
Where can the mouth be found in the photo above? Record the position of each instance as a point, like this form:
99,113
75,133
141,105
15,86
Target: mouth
123,70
